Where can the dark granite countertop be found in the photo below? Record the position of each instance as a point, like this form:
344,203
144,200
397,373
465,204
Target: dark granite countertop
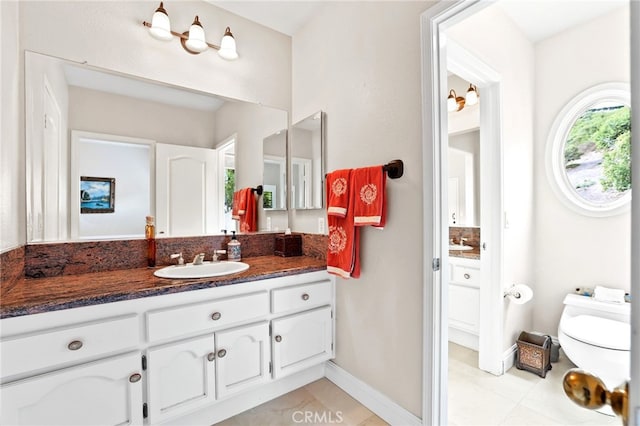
466,254
37,295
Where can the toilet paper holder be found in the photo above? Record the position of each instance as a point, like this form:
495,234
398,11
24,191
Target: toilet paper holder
514,291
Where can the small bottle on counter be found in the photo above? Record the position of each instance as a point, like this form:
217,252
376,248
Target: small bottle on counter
233,249
150,235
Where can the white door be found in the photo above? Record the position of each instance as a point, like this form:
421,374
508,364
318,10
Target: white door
300,341
242,358
186,190
105,392
181,377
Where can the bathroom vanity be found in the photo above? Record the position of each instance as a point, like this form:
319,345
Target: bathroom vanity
170,351
464,301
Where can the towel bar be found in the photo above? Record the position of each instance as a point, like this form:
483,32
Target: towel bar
257,190
394,169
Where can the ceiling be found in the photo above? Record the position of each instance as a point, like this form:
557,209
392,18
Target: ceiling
538,19
286,17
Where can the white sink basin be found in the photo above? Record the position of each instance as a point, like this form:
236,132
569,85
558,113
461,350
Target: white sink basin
459,247
205,270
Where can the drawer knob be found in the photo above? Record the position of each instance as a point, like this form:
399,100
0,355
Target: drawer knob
278,338
216,316
75,345
222,353
467,276
211,356
135,377
305,296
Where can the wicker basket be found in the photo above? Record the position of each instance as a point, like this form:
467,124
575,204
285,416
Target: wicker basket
534,353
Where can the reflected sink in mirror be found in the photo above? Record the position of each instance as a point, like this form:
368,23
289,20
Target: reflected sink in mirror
205,270
459,247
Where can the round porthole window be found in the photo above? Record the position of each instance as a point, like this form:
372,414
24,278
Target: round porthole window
589,151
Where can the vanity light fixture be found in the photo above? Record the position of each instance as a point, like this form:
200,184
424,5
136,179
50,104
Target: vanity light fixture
472,95
193,41
456,103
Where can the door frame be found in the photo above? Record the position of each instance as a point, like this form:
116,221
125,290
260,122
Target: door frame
435,389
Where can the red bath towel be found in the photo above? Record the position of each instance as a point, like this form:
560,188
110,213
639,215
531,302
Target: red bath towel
338,192
244,210
343,251
368,191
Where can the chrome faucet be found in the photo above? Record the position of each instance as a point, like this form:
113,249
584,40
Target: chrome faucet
198,259
462,240
179,257
216,253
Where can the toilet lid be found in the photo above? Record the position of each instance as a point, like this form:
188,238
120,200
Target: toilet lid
598,331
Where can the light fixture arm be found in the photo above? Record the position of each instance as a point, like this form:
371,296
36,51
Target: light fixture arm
184,37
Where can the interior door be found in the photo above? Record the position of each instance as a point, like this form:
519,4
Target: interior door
186,190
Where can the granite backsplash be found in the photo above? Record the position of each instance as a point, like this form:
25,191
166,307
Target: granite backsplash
471,234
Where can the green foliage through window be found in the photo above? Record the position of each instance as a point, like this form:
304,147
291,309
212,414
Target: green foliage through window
229,189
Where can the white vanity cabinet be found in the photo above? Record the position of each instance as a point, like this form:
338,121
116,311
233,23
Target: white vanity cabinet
190,357
105,392
464,301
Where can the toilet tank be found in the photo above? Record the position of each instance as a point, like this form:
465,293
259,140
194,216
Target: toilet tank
576,304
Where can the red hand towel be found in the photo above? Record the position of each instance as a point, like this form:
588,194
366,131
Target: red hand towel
248,221
338,192
239,204
343,251
368,190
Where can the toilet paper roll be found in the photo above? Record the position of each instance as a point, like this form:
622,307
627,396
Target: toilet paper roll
520,294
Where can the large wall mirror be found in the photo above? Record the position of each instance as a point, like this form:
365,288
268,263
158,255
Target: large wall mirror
307,162
106,149
274,181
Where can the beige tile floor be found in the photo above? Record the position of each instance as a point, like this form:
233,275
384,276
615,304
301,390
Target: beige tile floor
318,403
515,398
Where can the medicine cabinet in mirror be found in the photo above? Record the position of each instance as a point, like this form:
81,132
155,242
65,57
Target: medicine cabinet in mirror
166,123
274,180
307,162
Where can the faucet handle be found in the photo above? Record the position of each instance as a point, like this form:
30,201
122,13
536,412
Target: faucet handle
216,253
462,240
179,257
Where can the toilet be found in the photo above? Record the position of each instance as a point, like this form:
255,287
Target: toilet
596,336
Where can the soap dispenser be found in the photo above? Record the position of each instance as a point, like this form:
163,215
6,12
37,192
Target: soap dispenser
233,249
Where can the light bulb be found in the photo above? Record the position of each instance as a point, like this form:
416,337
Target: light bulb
196,41
451,101
472,95
160,25
228,46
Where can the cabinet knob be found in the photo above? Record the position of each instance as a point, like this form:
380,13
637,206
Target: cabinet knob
211,356
467,276
216,316
305,296
135,377
278,338
222,353
75,345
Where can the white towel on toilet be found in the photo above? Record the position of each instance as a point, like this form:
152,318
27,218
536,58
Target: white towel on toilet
607,294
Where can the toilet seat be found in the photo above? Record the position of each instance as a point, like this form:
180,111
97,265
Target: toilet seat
598,331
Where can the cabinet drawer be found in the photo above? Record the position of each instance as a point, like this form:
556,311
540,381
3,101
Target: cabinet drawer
177,322
66,345
466,275
301,296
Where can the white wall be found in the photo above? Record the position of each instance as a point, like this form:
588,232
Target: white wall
109,34
12,156
505,49
100,112
360,63
574,250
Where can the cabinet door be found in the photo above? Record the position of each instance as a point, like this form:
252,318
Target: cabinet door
301,341
242,358
105,392
181,377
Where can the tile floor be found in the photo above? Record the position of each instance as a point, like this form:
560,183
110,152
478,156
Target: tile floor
318,403
515,398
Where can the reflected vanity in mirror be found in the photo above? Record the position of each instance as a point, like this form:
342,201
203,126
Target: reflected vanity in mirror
307,162
181,178
274,180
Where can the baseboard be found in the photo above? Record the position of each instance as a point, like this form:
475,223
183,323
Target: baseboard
509,358
464,338
375,401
